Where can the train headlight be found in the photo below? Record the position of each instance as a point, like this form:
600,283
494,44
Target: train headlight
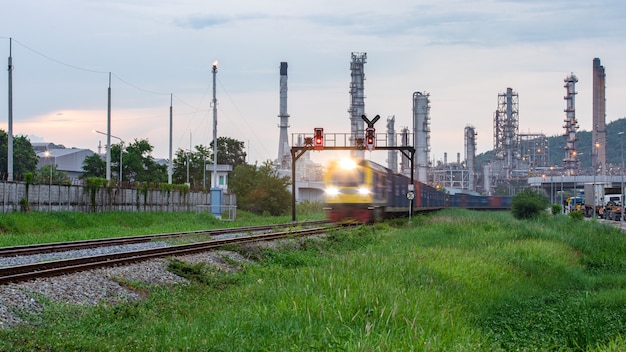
364,191
347,164
332,191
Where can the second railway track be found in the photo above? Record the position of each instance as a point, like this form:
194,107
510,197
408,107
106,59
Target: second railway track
65,266
74,245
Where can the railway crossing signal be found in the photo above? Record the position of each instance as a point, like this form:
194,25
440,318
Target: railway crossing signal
370,138
318,138
370,132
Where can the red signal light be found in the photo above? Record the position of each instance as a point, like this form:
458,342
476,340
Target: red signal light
370,138
318,138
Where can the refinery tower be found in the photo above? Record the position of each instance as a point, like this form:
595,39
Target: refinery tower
599,119
284,156
357,99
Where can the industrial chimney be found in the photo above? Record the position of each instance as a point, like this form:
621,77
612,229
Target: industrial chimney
599,119
284,158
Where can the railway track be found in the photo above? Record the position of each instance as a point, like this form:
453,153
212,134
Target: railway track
65,266
74,245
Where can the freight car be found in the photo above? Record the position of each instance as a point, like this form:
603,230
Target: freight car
364,191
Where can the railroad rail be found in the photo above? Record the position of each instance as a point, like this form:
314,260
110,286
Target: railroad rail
66,266
14,251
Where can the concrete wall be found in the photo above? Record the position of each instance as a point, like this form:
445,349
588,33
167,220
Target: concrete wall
44,197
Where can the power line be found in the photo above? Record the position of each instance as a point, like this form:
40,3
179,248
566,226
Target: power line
242,116
196,108
58,61
137,87
87,69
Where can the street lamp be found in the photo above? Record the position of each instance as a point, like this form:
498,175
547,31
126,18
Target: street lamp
595,171
109,150
562,206
621,218
552,197
187,153
47,155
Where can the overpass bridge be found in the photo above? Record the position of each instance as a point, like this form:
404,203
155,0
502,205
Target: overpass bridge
553,185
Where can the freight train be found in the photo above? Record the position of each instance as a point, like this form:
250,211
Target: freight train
366,192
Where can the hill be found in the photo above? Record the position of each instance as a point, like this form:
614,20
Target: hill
583,145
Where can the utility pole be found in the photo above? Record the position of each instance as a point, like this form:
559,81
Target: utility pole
10,141
108,172
170,166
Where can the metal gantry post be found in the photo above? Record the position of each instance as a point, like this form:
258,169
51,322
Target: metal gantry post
294,157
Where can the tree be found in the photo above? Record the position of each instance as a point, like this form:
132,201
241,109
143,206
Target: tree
528,204
196,161
261,190
229,151
194,166
42,176
24,157
93,166
138,163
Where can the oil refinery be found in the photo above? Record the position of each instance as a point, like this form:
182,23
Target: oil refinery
517,160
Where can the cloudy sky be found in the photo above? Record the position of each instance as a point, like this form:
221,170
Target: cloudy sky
463,53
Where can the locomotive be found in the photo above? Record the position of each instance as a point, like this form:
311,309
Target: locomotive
364,191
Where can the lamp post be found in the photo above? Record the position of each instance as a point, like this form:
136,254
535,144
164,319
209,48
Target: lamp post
552,197
108,151
204,171
187,153
621,203
543,182
595,171
47,155
562,206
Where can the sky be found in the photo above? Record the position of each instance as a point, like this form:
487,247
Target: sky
160,53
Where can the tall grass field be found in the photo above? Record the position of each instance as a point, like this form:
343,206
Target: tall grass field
451,281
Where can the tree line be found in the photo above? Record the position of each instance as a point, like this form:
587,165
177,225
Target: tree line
259,189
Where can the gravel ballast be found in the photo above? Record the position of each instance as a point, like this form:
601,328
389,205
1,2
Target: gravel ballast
92,287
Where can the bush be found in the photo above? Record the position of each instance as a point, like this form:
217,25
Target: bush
307,207
529,204
24,205
556,209
576,215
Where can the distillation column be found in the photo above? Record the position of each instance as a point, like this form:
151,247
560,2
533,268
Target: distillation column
392,155
357,100
284,156
421,134
470,156
599,119
506,130
405,163
570,162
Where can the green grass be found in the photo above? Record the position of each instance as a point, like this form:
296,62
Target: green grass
39,227
453,281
